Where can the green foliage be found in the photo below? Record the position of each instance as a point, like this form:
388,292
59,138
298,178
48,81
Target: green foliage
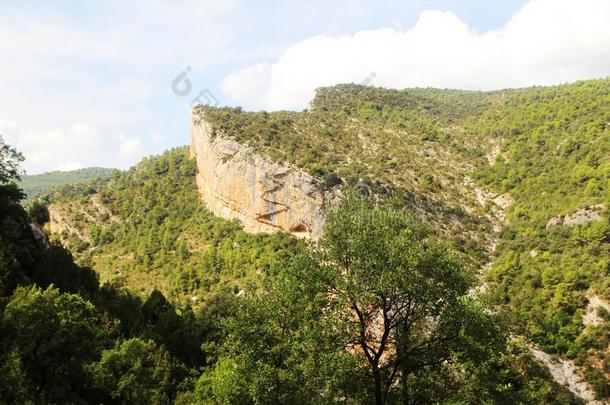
271,354
366,136
509,376
10,159
553,159
35,184
297,335
50,337
377,314
39,213
24,258
378,264
138,371
57,326
147,228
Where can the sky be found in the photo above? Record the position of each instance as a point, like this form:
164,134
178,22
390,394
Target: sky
105,83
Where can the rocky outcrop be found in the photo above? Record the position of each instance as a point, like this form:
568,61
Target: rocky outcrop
565,372
578,217
591,315
59,224
236,183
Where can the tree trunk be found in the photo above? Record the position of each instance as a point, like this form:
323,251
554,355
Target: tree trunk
378,390
405,389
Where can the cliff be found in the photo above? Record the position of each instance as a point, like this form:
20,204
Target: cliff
236,183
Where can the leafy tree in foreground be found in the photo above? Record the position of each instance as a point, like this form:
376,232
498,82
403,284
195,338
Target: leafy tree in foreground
401,297
47,338
138,371
364,317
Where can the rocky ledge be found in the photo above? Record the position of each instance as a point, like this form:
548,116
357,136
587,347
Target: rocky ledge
578,217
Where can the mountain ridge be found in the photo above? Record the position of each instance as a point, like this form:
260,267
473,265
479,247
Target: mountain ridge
35,184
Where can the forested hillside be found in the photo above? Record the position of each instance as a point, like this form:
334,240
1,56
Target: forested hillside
514,183
555,162
146,228
409,144
66,338
545,150
35,184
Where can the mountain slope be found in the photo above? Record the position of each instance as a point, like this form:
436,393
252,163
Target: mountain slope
35,184
554,257
147,229
463,158
67,339
407,143
517,180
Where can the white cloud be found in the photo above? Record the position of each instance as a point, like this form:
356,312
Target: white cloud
106,69
131,147
9,131
45,148
74,79
546,42
248,84
67,166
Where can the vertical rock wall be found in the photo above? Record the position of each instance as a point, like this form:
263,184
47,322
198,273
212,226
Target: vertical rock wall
236,183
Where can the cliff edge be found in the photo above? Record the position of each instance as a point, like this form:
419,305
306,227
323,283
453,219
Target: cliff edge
236,183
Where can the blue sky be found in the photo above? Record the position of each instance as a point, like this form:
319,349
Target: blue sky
89,83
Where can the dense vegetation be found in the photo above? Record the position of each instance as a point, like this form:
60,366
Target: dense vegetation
146,228
555,159
378,313
546,149
66,339
382,140
292,338
445,155
35,184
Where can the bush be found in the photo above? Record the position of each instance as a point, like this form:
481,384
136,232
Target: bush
39,213
600,384
331,180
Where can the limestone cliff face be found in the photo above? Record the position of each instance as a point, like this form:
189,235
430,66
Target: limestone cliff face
264,196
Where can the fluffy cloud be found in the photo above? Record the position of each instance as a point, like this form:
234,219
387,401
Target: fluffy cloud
546,42
248,84
131,147
74,78
54,148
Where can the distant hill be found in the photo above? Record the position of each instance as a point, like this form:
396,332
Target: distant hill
37,183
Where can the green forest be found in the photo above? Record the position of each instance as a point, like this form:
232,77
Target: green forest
35,184
141,295
546,148
146,228
291,338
